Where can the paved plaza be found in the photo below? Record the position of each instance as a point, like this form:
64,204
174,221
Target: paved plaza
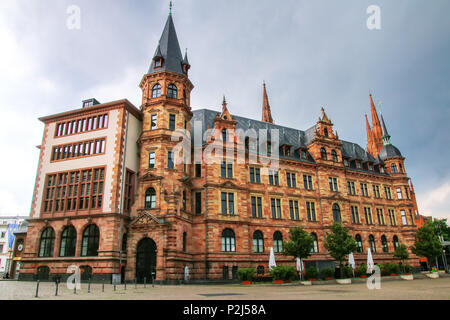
390,290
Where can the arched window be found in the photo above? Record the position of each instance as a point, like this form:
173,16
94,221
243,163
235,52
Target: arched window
359,245
384,244
224,135
394,168
258,242
336,213
277,242
150,198
372,243
184,97
323,153
172,91
47,243
395,240
315,248
68,242
156,91
91,236
325,132
184,241
334,155
228,241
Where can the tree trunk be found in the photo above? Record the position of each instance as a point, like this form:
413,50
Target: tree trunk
341,269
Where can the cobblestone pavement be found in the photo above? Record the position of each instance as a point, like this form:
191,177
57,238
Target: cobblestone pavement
390,290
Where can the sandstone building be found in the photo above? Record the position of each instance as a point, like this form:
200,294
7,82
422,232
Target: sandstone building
111,198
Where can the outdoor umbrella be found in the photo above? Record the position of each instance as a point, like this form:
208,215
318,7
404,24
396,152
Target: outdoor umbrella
186,273
300,266
351,262
370,264
272,262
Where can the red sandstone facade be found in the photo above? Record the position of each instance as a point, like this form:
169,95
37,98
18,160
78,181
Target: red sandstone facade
160,218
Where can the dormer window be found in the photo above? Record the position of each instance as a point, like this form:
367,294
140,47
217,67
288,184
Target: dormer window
394,168
303,153
358,164
269,148
346,162
370,167
334,155
381,169
172,91
158,63
156,91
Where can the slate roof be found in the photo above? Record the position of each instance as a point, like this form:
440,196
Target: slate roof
389,151
169,49
289,136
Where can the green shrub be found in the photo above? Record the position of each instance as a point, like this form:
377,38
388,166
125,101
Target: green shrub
327,273
246,274
311,273
362,269
391,268
347,272
283,273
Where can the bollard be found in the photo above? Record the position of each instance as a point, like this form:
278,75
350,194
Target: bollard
114,286
89,286
56,291
145,282
125,284
135,283
75,288
153,282
37,289
103,286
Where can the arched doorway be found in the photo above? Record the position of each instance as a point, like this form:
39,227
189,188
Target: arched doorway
145,260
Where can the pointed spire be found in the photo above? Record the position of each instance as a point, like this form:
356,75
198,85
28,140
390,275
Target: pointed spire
170,8
185,59
224,104
266,113
158,53
371,148
376,127
225,113
324,116
169,49
386,136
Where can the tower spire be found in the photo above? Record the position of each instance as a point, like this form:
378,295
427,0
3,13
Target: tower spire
266,113
386,136
371,148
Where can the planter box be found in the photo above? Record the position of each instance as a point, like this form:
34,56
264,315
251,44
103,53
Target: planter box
433,275
363,276
393,274
344,281
278,281
407,276
328,278
246,282
312,279
306,283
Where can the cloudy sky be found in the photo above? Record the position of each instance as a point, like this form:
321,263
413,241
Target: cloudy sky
311,54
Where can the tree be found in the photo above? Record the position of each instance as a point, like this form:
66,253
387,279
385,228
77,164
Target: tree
427,243
402,253
299,245
339,243
442,228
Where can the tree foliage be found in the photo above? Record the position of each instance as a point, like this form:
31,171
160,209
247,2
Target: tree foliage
427,243
442,228
339,243
299,245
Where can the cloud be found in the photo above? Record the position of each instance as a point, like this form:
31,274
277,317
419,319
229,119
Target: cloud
436,202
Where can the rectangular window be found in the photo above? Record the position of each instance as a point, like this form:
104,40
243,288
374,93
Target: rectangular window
198,203
129,191
291,179
227,200
368,215
355,214
172,122
380,216
333,184
75,190
399,194
307,182
275,205
351,188
255,175
310,211
403,214
364,190
198,170
376,191
81,125
151,160
67,152
387,191
226,170
293,210
392,220
170,163
407,192
273,178
256,207
154,122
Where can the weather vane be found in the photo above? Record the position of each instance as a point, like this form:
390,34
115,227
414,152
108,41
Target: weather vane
170,8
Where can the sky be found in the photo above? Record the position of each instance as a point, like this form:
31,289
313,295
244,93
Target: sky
311,54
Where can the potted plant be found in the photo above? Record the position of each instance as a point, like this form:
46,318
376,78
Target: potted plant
311,274
327,273
347,273
339,244
407,275
246,275
392,268
282,274
362,270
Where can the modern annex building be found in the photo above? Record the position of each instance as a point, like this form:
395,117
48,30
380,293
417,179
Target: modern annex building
110,198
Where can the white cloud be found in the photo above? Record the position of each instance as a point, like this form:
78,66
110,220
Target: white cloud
436,202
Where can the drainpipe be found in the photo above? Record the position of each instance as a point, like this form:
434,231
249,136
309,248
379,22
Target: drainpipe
206,222
122,193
